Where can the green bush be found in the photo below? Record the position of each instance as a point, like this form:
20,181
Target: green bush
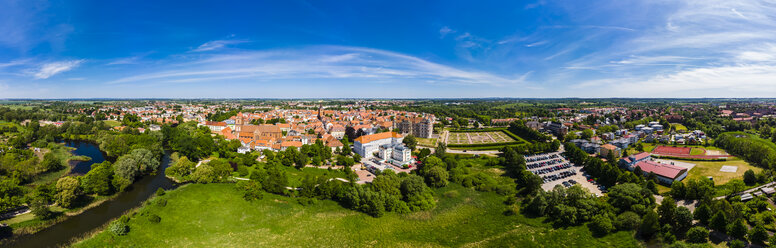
160,192
697,235
153,218
118,228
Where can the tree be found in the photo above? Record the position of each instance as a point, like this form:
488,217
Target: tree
410,141
719,222
417,195
749,177
703,214
628,221
387,182
625,196
127,167
441,150
437,177
666,211
697,234
39,208
677,190
738,229
758,234
601,225
51,162
683,220
69,191
98,179
649,225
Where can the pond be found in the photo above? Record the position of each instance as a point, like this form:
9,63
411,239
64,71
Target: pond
84,148
74,227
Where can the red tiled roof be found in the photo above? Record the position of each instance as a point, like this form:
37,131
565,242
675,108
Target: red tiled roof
665,170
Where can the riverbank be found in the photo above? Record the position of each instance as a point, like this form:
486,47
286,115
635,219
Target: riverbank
99,211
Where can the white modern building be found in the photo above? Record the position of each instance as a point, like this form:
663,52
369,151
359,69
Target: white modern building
367,145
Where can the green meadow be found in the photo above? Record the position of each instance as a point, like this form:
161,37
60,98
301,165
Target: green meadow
215,215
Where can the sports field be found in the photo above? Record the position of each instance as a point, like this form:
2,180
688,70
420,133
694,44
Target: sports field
469,138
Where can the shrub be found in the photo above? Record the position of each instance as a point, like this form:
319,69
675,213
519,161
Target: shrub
697,235
162,202
601,225
118,228
304,201
153,218
160,192
451,194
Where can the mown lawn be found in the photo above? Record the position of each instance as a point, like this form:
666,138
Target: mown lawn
112,123
427,142
704,169
215,215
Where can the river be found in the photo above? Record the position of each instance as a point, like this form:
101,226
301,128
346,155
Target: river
62,233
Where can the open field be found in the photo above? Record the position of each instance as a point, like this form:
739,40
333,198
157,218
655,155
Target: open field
112,123
215,215
703,169
679,127
430,142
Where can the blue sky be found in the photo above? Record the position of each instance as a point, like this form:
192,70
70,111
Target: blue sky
392,49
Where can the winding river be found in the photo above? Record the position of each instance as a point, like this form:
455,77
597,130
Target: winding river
63,233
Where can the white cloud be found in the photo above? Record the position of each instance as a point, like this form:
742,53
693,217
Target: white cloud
318,62
217,44
50,69
444,31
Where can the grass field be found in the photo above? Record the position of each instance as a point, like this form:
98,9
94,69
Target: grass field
430,142
703,169
215,215
112,123
679,127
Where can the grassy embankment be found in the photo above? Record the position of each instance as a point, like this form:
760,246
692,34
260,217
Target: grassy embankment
215,215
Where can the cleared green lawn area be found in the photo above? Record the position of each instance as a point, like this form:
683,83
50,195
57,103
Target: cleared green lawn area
703,169
697,151
430,142
215,215
679,127
112,123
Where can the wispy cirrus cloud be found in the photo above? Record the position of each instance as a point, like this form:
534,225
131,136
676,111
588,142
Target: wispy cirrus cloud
319,62
216,45
48,70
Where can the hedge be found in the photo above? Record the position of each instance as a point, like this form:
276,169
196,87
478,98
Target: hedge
492,129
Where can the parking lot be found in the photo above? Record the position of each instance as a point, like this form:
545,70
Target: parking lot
554,169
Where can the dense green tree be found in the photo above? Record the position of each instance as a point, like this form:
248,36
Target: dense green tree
682,220
410,141
667,211
628,221
601,225
749,177
738,229
703,214
39,207
758,234
436,177
98,179
69,191
697,234
650,225
719,222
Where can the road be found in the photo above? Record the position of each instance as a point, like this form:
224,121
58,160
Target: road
771,184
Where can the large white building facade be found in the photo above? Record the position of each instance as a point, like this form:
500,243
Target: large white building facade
367,145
